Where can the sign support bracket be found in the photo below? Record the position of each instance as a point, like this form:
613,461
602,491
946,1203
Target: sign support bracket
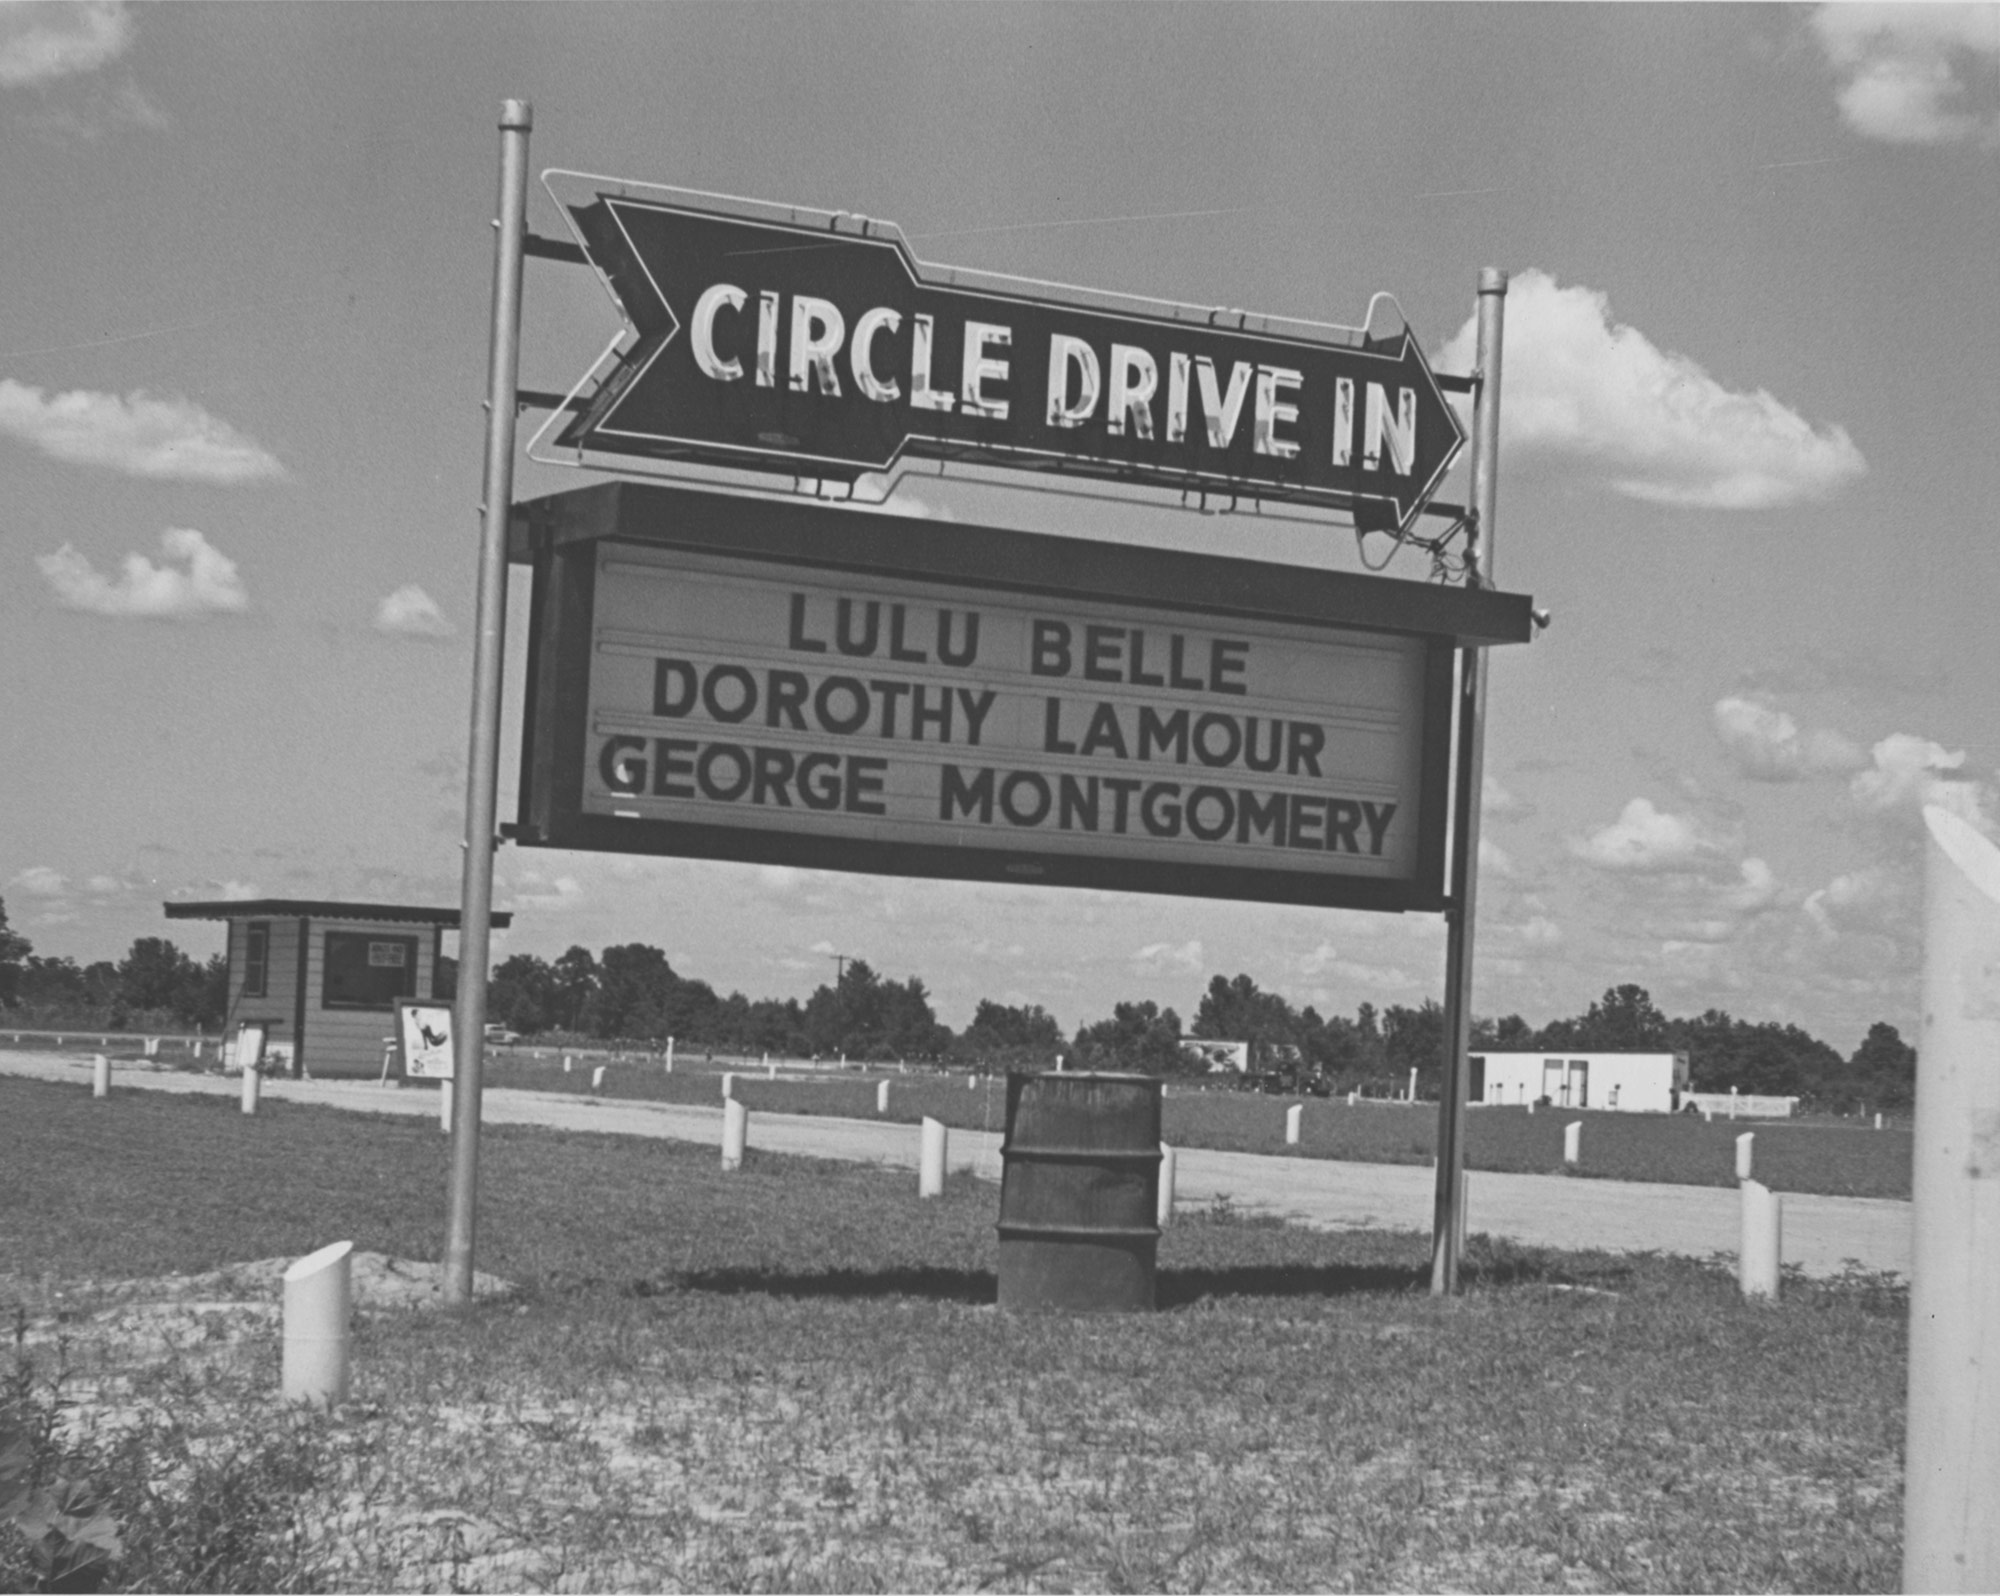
1448,1219
517,120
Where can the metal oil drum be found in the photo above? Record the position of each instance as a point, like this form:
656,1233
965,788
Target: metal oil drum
1079,1193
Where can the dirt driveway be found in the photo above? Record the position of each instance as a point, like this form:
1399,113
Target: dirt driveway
1821,1234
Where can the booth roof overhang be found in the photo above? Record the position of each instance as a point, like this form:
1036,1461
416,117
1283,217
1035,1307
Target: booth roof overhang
317,909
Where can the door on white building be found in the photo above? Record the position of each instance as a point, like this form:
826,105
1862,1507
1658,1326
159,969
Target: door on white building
1553,1086
1579,1084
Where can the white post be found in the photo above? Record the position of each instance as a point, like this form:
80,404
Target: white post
1413,1083
251,1081
1353,1097
567,1061
1167,1172
444,1105
100,1075
1743,1154
670,1055
1878,1121
1531,1105
1573,1141
316,1313
728,1088
881,1097
1732,1102
597,1079
1757,1263
972,1083
1951,1535
930,1159
770,1069
1293,1116
735,1133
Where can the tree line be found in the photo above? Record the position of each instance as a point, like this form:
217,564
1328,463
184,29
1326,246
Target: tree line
632,993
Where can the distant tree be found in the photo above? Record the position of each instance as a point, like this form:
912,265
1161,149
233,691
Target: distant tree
1140,1037
521,994
158,978
866,1016
1508,1034
14,952
1413,1039
1239,1011
1625,1019
639,995
1004,1035
1883,1070
576,984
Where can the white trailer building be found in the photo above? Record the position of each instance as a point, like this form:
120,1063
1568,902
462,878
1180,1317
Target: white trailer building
1636,1083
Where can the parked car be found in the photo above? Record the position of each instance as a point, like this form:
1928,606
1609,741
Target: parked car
500,1036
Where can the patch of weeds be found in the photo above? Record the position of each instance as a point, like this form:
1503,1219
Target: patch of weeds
160,1504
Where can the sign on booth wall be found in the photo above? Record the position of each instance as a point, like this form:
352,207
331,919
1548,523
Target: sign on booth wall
815,343
423,1040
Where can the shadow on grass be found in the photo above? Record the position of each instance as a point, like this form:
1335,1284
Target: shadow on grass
1176,1288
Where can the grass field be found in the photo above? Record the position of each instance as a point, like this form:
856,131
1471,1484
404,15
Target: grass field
1834,1158
793,1378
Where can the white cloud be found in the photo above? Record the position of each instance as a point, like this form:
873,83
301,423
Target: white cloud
1157,955
104,886
164,439
541,897
1915,74
1644,839
1493,859
208,583
42,42
1756,891
1766,745
1538,932
1909,772
40,881
1849,902
1651,424
1495,799
411,612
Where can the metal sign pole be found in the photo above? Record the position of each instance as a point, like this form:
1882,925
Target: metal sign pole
482,777
1447,1242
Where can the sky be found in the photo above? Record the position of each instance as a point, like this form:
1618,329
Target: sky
1751,393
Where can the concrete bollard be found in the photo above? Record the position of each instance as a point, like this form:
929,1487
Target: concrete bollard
444,1105
100,1075
1878,1121
1732,1102
735,1133
1353,1098
972,1083
252,1082
1763,1243
1531,1105
567,1062
930,1159
1951,1535
1573,1142
1293,1117
770,1069
597,1079
728,1087
1167,1172
1413,1083
150,1048
316,1314
1744,1154
881,1097
670,1055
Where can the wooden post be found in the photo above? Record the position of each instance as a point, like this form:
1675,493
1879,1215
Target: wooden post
1951,1481
670,1055
735,1133
1744,1154
881,1097
930,1159
316,1313
1293,1116
597,1079
1167,1173
1573,1142
1757,1262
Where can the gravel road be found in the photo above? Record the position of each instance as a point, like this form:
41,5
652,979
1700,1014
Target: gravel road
1821,1234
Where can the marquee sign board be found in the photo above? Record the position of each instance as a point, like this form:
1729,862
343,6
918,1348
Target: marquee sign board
809,685
818,345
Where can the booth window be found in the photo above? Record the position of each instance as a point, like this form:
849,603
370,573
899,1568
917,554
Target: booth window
364,971
257,959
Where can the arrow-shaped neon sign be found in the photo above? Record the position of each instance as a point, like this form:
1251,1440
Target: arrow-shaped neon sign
826,349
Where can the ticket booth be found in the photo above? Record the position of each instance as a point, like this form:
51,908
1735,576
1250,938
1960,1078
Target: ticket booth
322,979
